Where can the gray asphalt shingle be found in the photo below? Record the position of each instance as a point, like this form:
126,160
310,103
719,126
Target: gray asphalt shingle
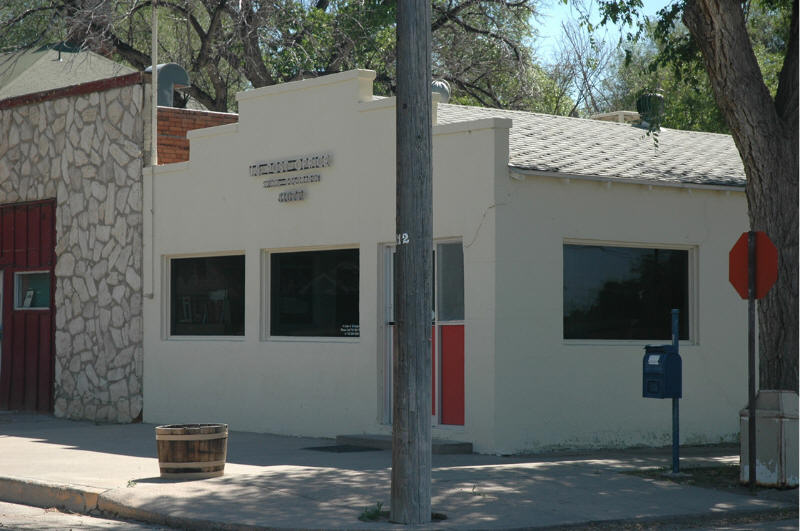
47,69
582,147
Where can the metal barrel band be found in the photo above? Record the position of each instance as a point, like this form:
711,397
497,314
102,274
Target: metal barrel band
192,464
192,475
197,437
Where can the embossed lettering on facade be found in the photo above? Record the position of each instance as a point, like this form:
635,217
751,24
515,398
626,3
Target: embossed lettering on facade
288,181
292,195
303,162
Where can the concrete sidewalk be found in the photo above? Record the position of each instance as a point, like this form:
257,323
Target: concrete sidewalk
278,482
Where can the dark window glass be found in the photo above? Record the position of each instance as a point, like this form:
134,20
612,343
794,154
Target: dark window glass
624,292
314,293
32,290
207,296
450,285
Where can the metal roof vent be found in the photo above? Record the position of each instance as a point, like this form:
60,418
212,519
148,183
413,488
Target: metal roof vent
442,88
651,108
171,76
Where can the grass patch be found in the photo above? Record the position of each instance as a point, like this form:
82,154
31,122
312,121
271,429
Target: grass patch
376,513
371,514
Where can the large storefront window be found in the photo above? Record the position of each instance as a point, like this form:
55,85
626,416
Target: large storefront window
624,292
314,293
207,296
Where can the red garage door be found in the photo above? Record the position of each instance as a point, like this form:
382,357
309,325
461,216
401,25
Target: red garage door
27,259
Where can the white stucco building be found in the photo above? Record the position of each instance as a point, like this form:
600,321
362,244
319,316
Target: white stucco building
560,246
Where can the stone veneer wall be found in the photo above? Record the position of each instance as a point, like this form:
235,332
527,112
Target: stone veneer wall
85,150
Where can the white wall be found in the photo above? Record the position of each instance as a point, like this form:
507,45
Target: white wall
210,204
559,394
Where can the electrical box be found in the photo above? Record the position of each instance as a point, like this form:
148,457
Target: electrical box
661,372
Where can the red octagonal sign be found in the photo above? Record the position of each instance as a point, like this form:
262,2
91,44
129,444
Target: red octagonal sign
766,265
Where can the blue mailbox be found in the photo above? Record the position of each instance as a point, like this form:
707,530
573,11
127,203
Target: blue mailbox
661,372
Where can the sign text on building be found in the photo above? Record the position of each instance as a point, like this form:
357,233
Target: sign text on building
294,179
305,162
291,195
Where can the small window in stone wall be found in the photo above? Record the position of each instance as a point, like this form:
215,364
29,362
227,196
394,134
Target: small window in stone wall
32,290
207,296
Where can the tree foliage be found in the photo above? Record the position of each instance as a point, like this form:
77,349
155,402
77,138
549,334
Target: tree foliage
689,99
659,55
481,47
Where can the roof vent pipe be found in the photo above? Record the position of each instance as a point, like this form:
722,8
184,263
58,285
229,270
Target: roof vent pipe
171,76
442,88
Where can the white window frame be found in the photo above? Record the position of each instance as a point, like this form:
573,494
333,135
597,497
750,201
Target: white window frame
693,287
166,297
266,286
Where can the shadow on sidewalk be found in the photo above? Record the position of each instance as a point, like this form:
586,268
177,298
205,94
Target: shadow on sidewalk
534,494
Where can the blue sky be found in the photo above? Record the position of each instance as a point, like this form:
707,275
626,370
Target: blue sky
554,12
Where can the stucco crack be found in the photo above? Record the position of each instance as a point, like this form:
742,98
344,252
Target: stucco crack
480,224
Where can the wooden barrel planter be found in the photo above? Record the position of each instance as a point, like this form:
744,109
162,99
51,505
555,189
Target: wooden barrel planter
192,451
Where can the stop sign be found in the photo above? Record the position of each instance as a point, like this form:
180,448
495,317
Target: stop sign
766,265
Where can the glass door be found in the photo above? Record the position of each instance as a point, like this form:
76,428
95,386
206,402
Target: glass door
447,335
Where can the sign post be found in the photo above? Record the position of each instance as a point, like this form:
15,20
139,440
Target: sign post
751,359
752,269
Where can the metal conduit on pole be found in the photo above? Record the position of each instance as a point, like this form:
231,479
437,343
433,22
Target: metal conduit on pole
154,87
148,184
411,408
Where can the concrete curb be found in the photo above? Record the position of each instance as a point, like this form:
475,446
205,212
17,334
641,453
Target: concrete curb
45,494
112,508
94,501
698,520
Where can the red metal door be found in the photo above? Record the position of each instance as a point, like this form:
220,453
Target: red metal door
27,261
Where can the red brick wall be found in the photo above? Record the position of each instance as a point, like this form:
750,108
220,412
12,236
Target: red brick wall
173,124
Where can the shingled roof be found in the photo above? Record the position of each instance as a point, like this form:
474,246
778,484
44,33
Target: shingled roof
51,67
593,148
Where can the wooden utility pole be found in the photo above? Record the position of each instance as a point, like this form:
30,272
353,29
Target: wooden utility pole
411,408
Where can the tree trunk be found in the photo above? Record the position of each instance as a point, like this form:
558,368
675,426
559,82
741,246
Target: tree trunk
766,135
411,408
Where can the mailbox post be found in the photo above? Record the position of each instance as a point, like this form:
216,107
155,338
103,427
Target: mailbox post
676,440
662,377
